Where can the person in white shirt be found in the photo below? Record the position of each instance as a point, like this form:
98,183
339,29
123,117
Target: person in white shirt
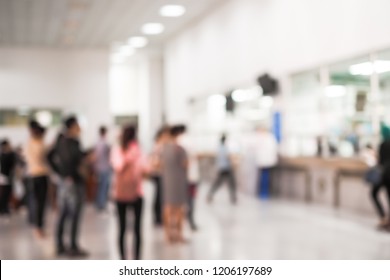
266,158
193,173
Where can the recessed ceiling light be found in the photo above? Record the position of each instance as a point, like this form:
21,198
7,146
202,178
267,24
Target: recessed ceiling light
152,28
172,11
138,42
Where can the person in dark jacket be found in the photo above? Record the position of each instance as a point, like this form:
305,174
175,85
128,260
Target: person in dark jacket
384,163
7,168
66,159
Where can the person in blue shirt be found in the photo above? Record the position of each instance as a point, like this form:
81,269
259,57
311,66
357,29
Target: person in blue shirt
225,171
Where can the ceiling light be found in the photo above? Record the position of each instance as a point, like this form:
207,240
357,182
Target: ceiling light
172,11
368,68
335,91
138,42
152,28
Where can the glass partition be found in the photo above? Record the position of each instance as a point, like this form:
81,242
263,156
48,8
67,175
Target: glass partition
347,107
383,65
332,109
303,121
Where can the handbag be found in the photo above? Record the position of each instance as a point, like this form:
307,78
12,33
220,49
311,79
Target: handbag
374,175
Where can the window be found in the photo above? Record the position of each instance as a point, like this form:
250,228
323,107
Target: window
21,116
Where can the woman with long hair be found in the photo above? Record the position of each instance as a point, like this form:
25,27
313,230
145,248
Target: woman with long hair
38,172
129,169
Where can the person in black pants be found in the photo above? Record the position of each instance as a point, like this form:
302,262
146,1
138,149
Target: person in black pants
160,139
67,160
157,203
7,168
384,163
38,172
122,207
129,170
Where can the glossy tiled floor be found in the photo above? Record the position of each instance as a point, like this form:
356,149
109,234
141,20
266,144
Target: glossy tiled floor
251,230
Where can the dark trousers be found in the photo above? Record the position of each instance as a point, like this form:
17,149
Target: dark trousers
5,197
70,202
39,187
30,201
228,176
264,181
136,206
191,204
374,195
157,204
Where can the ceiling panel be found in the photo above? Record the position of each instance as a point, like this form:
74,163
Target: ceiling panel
89,23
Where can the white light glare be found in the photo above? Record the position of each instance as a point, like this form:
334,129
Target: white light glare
45,118
138,42
266,101
335,91
368,68
216,100
241,95
172,11
152,28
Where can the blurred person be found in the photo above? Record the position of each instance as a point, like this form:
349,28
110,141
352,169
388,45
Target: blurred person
193,174
102,169
174,164
129,168
7,169
266,158
20,179
225,170
383,172
35,154
161,138
66,159
369,155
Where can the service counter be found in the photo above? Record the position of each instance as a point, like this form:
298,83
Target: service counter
335,182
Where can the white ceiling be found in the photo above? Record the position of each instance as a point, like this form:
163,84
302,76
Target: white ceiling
89,23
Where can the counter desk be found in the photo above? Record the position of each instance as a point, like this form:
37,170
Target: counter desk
335,182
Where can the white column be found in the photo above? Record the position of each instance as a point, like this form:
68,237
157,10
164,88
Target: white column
150,97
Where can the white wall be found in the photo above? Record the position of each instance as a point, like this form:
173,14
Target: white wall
136,88
244,38
73,80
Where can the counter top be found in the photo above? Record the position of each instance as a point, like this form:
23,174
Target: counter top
347,164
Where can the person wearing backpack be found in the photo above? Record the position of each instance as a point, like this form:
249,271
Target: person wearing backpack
129,168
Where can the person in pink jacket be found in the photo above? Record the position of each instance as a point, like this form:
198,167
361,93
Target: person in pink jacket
129,169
